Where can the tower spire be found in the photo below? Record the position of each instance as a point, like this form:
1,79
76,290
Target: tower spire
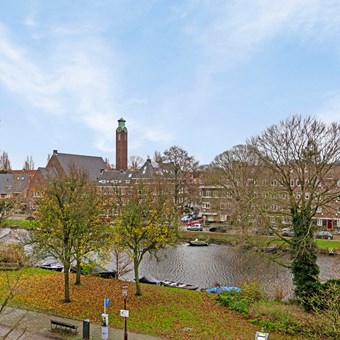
121,145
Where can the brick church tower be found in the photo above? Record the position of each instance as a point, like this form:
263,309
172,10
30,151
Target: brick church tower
121,145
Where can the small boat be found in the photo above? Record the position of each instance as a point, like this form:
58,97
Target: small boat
198,243
50,263
57,267
173,284
150,280
220,289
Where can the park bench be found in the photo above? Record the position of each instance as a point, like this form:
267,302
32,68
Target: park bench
56,324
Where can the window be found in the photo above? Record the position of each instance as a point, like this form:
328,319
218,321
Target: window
319,210
223,205
223,218
206,205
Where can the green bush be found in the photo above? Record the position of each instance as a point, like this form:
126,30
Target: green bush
324,320
275,316
252,290
234,301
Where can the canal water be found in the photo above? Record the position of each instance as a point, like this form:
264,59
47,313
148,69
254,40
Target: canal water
204,266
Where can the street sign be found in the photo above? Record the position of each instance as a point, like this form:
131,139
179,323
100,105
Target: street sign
106,302
124,313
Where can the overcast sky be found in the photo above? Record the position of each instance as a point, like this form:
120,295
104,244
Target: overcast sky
204,75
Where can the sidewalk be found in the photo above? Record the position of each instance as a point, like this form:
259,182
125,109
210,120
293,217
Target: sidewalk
37,326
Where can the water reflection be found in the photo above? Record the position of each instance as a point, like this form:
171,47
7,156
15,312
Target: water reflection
204,266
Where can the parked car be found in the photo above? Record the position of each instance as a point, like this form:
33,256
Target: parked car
324,235
186,218
287,232
195,227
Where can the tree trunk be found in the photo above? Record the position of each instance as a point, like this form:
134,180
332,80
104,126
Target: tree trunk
117,257
136,267
303,255
66,283
78,272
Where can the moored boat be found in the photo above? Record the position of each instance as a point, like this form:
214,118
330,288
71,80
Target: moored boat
198,243
150,280
50,263
174,284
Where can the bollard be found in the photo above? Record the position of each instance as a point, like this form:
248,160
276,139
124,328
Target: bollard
86,329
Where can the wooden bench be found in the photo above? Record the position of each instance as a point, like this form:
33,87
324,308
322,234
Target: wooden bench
56,324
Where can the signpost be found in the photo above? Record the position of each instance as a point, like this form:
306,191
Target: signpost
123,312
105,321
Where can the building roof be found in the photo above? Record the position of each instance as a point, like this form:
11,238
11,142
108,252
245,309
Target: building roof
13,183
93,165
109,177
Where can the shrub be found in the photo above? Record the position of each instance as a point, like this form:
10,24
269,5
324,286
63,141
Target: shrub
252,290
234,301
324,319
13,254
275,316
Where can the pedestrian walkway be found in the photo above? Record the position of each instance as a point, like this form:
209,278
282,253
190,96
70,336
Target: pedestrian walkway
31,325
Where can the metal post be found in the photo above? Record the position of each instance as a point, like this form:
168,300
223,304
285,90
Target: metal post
86,329
125,312
125,322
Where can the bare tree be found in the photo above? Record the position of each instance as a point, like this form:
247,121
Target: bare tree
29,163
237,174
181,171
123,262
135,162
301,154
5,164
157,156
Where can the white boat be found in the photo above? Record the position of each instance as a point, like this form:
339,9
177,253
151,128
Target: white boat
51,263
174,284
198,243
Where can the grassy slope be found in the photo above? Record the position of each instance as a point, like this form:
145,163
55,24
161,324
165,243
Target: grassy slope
161,311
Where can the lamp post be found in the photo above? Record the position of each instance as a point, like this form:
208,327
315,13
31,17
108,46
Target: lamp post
125,294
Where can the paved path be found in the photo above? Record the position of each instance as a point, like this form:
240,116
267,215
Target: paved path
37,326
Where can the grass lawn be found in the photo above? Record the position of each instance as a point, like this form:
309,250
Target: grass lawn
161,311
230,239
